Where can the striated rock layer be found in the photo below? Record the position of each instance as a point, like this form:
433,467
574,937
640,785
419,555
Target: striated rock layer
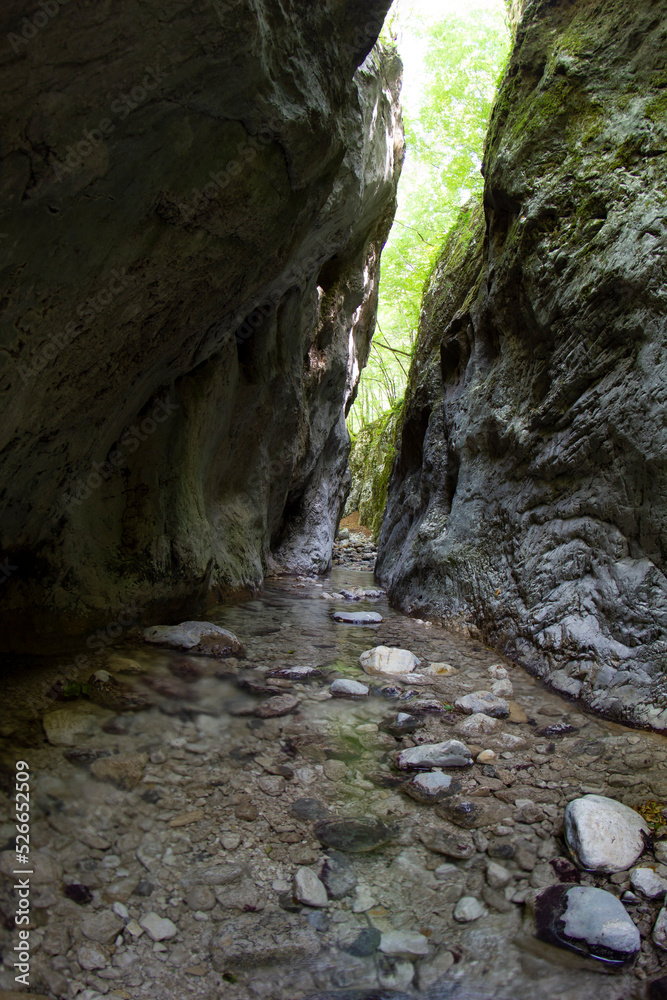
194,202
528,502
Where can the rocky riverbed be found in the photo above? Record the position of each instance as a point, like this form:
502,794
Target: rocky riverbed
288,823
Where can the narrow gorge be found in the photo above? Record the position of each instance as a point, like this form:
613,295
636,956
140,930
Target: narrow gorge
291,713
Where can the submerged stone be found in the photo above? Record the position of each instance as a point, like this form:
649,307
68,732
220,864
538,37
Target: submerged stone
200,637
358,617
591,922
355,835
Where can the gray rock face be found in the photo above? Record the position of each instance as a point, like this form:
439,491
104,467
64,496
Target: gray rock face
198,285
527,500
604,835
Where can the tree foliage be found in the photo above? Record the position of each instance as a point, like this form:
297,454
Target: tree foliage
445,126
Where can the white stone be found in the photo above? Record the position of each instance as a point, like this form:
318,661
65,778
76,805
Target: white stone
660,851
477,724
483,701
599,918
659,934
188,635
468,909
405,944
646,881
485,757
498,672
451,753
497,876
91,957
348,689
308,889
358,617
603,834
397,976
388,660
502,689
363,899
158,928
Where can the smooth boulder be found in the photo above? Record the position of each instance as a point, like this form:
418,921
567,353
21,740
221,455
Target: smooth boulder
200,637
591,922
604,835
388,660
451,753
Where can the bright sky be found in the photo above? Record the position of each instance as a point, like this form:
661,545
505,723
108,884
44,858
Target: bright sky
416,15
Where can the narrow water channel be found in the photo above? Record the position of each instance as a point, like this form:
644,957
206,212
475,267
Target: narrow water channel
169,820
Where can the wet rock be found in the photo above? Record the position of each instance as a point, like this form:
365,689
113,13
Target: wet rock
103,927
502,689
199,637
591,922
473,813
309,809
388,660
123,770
344,688
659,933
295,673
476,725
338,875
404,724
308,889
282,704
468,909
248,941
365,944
447,839
91,957
556,730
404,944
441,669
358,617
603,834
648,883
431,786
158,928
451,753
65,727
353,834
497,876
658,989
80,894
484,702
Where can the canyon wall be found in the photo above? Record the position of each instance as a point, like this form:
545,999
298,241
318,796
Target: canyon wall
528,502
194,201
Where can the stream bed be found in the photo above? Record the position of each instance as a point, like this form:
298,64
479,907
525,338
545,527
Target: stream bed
167,829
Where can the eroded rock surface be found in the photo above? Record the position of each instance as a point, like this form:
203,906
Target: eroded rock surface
527,501
192,224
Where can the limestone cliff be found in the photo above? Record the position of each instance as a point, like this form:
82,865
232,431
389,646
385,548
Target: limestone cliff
194,201
529,501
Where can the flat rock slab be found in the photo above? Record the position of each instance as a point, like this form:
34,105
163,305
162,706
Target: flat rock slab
603,834
344,688
248,941
358,617
295,673
353,834
485,702
591,922
66,727
451,753
199,637
388,660
282,704
448,840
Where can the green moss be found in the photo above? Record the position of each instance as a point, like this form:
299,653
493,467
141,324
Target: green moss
371,462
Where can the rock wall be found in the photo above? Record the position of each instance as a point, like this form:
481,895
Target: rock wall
195,197
528,501
371,463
